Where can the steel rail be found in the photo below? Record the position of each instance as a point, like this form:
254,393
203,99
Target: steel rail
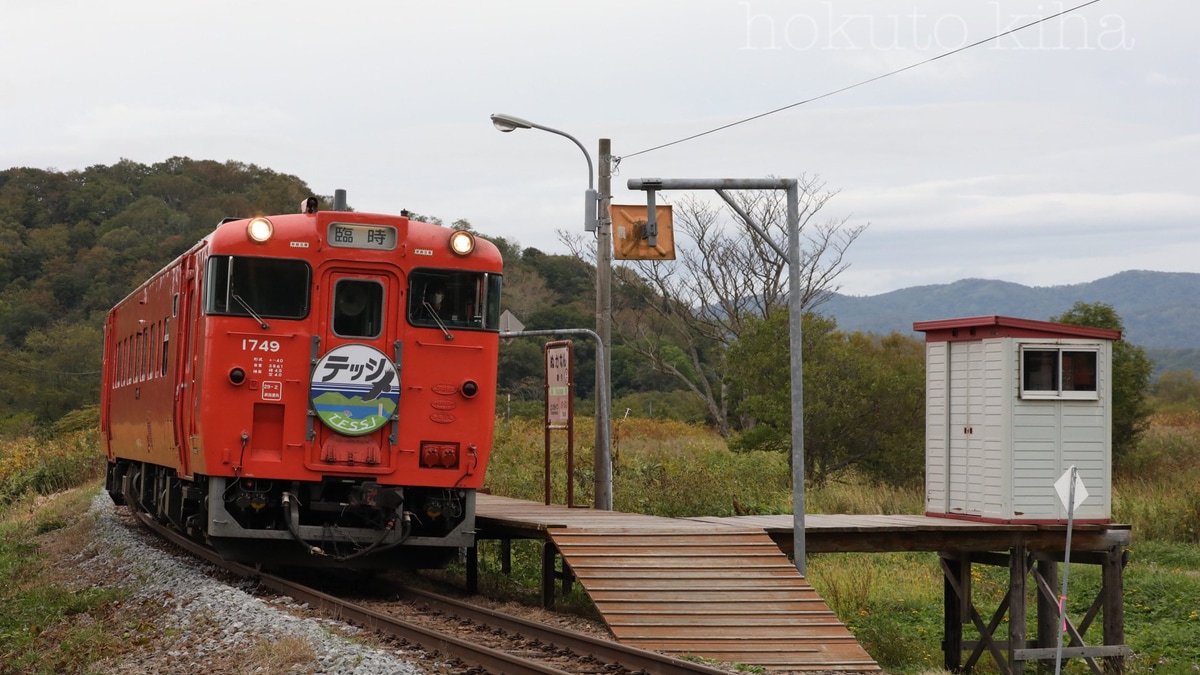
491,660
606,650
495,661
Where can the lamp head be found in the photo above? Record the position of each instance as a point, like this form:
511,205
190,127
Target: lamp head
507,123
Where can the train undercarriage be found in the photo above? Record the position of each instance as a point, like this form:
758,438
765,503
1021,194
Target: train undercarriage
335,522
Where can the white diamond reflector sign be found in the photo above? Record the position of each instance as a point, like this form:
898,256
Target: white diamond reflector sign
1063,487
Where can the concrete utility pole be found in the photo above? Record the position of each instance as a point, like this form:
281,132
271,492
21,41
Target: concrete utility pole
595,218
795,309
603,459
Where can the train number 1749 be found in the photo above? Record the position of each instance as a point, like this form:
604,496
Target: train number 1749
255,345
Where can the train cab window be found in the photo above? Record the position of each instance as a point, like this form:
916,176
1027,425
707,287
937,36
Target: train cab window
265,287
454,299
357,308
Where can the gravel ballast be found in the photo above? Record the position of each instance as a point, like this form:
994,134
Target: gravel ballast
188,621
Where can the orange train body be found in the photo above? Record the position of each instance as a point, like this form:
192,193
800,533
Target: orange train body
314,388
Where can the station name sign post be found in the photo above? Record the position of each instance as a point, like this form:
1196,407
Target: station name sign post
602,453
560,410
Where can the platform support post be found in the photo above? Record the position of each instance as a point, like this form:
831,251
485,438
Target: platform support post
549,551
957,570
1018,573
506,555
1047,612
1113,588
473,568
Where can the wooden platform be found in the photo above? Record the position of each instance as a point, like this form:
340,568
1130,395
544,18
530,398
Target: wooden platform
1031,553
825,533
689,587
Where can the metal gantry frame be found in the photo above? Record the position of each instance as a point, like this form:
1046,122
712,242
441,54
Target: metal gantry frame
795,308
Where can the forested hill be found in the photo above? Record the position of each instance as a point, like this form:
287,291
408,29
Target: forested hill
73,243
1160,309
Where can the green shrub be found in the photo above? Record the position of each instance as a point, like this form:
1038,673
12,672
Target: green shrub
1157,490
854,494
681,406
31,465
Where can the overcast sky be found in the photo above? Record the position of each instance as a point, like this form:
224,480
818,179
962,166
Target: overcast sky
1061,154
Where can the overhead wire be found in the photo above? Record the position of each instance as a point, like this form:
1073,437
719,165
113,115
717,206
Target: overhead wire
617,160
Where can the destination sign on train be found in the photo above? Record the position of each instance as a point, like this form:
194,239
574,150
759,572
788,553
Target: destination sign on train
349,235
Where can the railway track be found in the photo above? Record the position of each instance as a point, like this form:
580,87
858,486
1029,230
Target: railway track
519,646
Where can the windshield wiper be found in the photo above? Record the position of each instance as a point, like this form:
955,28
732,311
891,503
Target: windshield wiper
437,319
246,306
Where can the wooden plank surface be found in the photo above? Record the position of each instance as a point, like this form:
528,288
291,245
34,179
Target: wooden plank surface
718,592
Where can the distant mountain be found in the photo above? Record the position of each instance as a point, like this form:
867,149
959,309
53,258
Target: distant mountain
1161,310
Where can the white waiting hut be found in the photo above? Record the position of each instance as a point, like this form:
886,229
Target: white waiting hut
1011,404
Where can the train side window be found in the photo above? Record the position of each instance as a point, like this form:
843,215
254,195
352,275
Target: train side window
276,288
357,308
151,353
454,299
138,343
166,335
490,301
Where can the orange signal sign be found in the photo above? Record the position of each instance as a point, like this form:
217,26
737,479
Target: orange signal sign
628,228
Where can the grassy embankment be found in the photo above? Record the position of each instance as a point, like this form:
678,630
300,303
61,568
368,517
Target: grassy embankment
47,626
892,602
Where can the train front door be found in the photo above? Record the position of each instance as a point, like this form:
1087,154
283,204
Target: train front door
355,388
182,336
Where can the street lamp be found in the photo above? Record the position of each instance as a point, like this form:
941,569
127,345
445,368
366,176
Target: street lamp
591,223
507,123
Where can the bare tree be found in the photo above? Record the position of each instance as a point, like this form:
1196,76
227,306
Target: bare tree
525,291
683,315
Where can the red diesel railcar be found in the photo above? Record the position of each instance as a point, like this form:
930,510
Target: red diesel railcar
313,388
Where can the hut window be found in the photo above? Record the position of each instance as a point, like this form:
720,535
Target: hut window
1058,372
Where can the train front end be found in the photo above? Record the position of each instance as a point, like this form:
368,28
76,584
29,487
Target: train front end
342,389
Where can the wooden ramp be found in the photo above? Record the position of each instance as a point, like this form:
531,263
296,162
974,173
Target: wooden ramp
723,593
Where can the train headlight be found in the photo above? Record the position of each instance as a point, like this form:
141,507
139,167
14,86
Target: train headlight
462,242
259,229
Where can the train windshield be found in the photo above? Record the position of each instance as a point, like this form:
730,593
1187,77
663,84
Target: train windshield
454,299
267,287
